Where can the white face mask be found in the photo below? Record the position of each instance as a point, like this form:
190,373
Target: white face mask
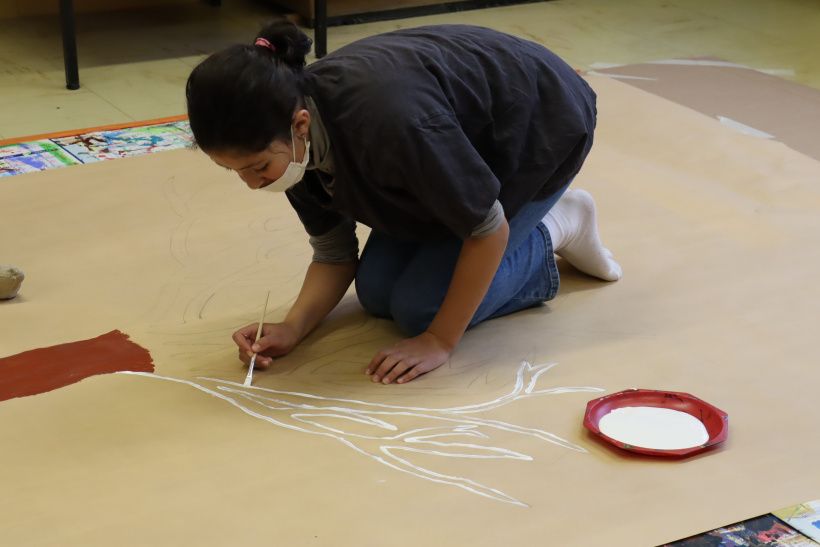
294,172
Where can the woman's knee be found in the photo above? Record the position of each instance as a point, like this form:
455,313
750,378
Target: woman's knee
380,302
373,293
412,315
383,260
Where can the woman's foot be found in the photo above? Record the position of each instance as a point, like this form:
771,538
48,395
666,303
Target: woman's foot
573,227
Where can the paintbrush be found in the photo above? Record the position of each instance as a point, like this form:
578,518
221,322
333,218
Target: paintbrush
249,377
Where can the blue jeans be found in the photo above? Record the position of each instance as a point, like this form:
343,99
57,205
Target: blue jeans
407,281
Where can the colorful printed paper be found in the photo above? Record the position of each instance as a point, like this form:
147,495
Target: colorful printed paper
16,159
804,517
764,531
109,145
35,156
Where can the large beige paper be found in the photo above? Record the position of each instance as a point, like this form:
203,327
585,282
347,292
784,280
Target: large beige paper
716,232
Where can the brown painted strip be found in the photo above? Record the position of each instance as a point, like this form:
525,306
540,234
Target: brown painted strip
45,369
72,133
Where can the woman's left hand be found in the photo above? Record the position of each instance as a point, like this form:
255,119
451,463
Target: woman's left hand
408,359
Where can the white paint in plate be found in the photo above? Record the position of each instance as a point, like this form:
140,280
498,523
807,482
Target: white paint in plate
655,428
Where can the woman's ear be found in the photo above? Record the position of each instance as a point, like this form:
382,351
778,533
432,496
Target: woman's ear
301,123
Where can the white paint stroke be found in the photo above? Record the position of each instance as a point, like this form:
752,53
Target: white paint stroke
604,65
745,129
777,71
706,62
697,62
438,432
620,76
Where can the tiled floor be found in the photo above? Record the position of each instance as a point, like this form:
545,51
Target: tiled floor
133,64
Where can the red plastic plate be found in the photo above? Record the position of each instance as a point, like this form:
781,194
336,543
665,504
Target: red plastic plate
715,420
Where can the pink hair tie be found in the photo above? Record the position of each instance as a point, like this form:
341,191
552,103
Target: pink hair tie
264,43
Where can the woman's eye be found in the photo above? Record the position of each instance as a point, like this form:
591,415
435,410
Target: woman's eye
261,169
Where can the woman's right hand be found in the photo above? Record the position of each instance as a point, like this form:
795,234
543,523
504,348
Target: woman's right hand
323,287
276,340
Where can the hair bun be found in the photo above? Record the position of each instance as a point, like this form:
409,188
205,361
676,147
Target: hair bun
264,43
289,44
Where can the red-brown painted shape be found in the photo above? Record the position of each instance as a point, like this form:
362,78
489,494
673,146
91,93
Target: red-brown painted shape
45,369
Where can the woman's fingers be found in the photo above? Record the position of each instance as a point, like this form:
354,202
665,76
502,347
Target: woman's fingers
377,360
391,367
243,338
395,371
407,359
385,366
414,372
277,339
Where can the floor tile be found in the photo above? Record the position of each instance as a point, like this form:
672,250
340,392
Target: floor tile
55,111
137,87
795,21
18,70
134,63
193,60
803,64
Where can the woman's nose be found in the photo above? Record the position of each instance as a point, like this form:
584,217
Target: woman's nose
251,181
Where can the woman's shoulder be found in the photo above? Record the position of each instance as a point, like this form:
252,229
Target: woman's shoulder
402,61
421,44
374,85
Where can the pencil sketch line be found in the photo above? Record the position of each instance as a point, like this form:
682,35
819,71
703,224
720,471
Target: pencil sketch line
202,307
177,203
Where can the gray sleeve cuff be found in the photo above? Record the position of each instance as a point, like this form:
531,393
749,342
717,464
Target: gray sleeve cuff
337,246
495,218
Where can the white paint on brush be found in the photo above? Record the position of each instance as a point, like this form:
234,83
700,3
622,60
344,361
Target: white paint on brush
655,428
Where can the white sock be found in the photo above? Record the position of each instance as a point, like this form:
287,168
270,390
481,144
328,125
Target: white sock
573,227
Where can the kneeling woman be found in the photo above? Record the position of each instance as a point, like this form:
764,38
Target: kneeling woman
454,144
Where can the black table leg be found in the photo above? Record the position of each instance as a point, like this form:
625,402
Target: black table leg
320,28
72,73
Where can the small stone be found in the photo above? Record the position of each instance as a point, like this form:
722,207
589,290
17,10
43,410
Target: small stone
10,280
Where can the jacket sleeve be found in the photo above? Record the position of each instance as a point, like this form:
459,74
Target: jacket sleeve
305,198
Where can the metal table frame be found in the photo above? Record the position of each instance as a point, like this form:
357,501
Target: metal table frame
72,72
69,31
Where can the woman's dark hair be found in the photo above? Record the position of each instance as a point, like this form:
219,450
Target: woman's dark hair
243,97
